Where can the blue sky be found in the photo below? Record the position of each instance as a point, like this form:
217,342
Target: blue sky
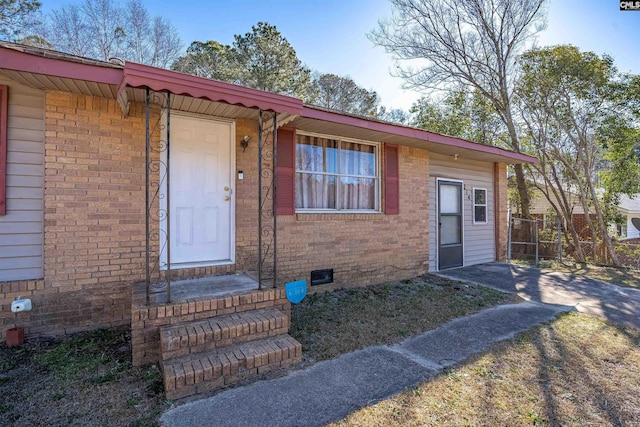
330,35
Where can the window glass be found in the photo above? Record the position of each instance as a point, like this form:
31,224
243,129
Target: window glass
479,205
316,154
358,193
449,199
450,230
357,159
335,174
480,213
315,191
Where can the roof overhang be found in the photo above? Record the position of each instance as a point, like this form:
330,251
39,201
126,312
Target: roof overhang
160,80
318,120
51,64
50,70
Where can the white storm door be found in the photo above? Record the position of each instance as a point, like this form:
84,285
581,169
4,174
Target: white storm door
201,192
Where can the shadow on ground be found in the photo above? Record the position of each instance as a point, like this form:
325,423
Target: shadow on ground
590,296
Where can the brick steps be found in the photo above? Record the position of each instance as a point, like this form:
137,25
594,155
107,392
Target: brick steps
231,338
202,335
218,367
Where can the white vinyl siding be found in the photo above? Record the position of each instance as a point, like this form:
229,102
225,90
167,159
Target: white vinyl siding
478,239
632,231
21,229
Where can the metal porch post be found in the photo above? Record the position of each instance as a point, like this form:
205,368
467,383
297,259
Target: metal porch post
146,195
260,199
168,274
273,197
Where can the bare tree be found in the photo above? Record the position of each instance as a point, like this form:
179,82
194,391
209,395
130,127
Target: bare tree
17,16
150,41
103,29
473,43
165,42
393,115
106,27
138,31
66,30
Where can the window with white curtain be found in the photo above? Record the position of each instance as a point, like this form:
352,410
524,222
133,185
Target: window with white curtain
336,174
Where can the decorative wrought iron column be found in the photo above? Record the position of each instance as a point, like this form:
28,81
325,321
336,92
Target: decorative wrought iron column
267,226
157,194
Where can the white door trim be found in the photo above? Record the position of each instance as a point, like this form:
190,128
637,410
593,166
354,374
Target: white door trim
232,184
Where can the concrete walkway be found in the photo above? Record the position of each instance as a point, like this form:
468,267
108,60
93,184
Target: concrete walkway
330,390
590,296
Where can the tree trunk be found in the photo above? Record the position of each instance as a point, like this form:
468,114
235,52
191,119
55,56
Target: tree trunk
603,227
521,182
523,192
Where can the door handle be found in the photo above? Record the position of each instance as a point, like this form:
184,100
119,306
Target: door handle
227,198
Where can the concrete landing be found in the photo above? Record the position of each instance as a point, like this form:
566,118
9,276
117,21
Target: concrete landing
227,284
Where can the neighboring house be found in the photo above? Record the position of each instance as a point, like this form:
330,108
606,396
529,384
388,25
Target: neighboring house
99,155
629,208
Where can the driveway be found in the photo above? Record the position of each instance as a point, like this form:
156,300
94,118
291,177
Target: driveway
330,390
590,296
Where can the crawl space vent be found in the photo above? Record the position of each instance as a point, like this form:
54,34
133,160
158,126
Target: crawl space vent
321,277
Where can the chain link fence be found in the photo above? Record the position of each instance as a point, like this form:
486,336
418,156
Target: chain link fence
534,239
541,239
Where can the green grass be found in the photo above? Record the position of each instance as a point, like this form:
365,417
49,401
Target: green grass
345,320
89,357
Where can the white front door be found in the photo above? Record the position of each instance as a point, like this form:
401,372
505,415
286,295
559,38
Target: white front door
201,192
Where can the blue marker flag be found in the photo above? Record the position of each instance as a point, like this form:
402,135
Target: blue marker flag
296,291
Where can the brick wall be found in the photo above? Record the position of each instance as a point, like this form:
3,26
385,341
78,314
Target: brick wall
94,245
362,248
146,320
247,197
94,216
501,211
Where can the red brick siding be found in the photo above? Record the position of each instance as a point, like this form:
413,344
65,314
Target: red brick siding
501,221
94,223
363,248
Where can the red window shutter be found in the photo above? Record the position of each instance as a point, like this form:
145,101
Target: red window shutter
286,172
391,180
4,103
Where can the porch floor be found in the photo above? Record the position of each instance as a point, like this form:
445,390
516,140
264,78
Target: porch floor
228,284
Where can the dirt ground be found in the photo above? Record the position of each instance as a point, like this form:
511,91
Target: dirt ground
87,379
83,380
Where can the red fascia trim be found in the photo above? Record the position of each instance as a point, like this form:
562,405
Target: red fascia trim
138,75
4,104
21,61
328,116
